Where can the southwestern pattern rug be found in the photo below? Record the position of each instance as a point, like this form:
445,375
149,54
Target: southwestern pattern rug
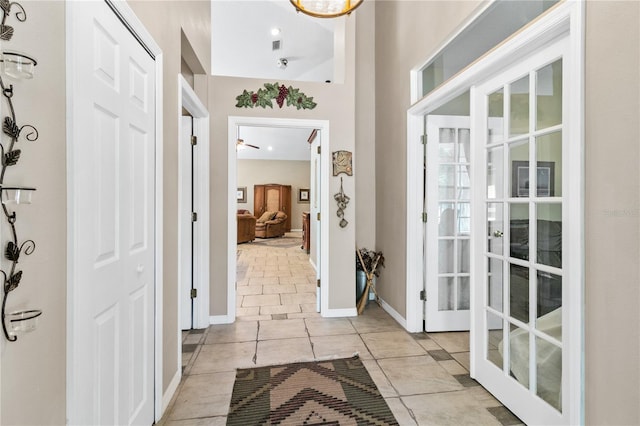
281,242
334,392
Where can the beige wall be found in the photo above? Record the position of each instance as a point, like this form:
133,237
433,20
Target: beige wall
33,376
365,157
294,173
406,32
612,239
166,21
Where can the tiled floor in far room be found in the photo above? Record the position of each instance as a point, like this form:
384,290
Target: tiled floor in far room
423,377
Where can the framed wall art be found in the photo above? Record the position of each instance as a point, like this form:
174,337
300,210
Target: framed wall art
241,194
304,195
342,163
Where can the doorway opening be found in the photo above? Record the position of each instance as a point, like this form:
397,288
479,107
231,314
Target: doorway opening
275,235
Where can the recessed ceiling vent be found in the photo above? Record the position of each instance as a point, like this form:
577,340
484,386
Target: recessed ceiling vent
276,45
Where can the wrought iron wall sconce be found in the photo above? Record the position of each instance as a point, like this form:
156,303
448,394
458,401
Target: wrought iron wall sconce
18,66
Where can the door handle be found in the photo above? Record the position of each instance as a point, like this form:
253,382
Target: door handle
498,234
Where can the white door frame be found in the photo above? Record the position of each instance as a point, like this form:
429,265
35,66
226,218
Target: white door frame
566,18
233,123
131,21
188,100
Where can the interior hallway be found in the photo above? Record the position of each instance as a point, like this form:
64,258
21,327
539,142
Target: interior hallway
423,377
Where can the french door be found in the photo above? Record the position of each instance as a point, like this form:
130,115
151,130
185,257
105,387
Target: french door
521,295
448,201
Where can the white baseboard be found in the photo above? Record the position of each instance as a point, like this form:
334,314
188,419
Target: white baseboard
296,230
336,313
315,268
394,314
220,319
171,390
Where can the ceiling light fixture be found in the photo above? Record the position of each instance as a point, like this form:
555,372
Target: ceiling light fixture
326,8
275,31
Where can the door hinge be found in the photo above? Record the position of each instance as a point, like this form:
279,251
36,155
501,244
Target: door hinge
318,149
423,295
318,215
194,140
194,217
318,282
194,293
425,216
423,139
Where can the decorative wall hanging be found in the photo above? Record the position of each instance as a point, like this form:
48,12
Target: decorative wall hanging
17,66
263,97
342,200
342,163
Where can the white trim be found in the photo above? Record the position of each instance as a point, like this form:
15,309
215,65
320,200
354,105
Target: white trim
188,100
415,226
233,123
313,265
394,314
339,313
171,390
221,319
296,230
127,14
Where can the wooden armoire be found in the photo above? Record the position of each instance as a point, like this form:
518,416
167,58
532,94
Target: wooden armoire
272,197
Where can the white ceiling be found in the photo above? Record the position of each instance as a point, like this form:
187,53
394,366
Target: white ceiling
286,143
241,43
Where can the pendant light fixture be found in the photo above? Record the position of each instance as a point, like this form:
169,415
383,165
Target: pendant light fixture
326,8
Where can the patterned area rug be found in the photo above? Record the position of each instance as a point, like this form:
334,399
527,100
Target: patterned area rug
335,392
283,242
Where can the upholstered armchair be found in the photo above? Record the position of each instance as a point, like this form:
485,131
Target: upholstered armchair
246,226
271,224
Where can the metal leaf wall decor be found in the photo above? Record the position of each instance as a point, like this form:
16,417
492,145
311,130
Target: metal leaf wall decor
342,199
10,156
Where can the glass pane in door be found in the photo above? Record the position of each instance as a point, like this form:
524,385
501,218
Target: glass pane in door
549,157
495,228
519,354
519,161
495,336
549,95
495,131
549,239
519,107
446,293
495,173
519,292
549,312
519,230
495,283
549,372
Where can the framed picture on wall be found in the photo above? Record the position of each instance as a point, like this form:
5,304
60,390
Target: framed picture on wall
303,195
545,179
241,194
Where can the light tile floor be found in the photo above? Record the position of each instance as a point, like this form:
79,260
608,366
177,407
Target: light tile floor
423,377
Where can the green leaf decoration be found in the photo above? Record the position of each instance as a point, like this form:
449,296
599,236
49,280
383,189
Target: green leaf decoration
10,128
13,281
11,157
12,252
274,91
6,32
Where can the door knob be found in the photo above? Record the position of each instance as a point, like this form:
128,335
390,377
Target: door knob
497,234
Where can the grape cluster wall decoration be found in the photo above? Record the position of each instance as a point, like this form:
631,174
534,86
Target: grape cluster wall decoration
281,93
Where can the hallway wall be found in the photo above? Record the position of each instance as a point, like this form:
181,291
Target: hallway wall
406,32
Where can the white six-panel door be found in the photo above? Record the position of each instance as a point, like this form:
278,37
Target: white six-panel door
112,161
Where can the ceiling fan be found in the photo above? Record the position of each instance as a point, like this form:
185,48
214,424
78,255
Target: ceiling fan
240,144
